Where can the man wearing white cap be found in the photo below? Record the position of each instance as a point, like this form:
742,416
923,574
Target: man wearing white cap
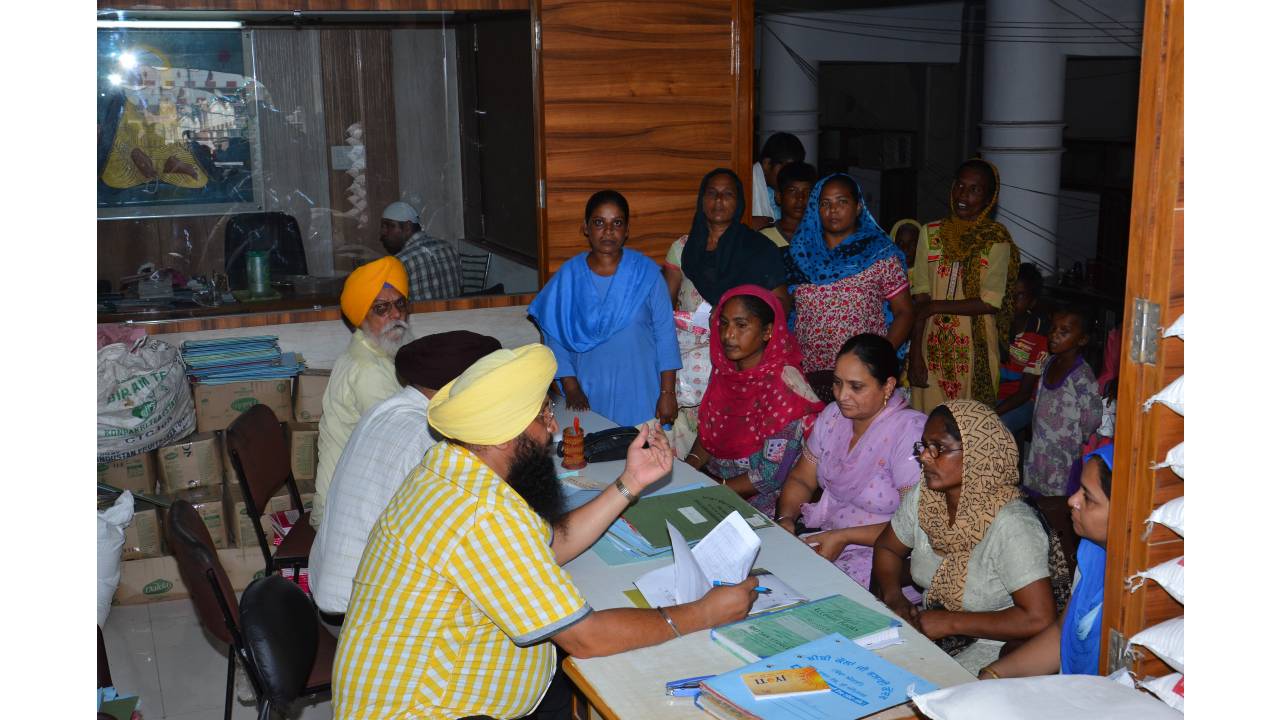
434,270
460,597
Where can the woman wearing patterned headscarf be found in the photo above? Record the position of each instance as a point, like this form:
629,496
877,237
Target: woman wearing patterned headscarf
979,551
964,266
847,277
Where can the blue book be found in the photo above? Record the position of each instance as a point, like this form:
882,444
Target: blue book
862,683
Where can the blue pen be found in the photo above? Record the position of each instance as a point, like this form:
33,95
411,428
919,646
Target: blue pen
686,687
758,588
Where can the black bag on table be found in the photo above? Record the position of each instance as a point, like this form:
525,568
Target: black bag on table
605,445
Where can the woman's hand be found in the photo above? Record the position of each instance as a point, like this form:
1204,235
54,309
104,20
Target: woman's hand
829,544
575,399
903,608
935,624
917,371
667,407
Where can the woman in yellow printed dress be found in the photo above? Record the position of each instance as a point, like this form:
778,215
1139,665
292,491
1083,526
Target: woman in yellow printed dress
964,266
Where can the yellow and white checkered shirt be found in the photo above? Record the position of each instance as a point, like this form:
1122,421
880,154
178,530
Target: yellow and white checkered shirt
453,603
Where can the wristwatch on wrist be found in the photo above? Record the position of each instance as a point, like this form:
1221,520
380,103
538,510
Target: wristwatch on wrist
622,488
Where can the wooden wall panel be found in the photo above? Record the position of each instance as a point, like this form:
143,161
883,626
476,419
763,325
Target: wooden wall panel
358,85
313,5
643,98
1155,272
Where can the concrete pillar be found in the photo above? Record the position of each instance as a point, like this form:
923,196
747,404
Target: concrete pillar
1024,84
788,97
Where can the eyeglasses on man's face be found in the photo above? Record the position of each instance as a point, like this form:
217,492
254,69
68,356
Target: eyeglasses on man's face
933,450
382,308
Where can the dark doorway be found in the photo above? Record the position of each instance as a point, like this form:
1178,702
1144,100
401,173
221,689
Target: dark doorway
496,101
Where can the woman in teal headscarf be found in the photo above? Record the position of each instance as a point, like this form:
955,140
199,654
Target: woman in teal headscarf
1071,645
847,278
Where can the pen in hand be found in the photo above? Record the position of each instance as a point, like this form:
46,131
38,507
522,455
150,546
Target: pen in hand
758,588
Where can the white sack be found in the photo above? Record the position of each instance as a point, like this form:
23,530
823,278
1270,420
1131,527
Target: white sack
111,525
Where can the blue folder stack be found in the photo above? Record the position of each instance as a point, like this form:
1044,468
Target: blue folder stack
239,359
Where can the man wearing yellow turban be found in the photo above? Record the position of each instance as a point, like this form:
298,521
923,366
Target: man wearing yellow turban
461,585
375,301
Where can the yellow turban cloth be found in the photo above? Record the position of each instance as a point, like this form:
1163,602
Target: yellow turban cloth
495,399
365,282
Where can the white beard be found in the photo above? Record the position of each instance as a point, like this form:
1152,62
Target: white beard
395,335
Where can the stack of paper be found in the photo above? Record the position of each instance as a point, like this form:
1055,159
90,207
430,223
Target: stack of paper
238,359
641,532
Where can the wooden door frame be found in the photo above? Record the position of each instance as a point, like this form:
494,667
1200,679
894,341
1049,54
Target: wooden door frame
1154,273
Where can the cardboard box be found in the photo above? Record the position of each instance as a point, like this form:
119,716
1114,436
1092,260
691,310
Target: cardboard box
194,462
207,502
143,538
135,474
303,439
308,391
228,470
241,524
217,406
157,579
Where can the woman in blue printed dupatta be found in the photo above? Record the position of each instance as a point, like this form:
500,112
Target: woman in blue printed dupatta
847,278
1072,645
607,317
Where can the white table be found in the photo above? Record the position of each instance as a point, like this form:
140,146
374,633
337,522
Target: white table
631,684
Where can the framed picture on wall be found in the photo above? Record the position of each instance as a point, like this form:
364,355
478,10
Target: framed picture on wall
177,123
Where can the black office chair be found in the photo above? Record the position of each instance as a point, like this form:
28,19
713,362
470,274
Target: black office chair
272,631
292,655
475,271
275,232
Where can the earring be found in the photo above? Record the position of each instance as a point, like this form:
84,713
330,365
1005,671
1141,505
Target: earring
885,404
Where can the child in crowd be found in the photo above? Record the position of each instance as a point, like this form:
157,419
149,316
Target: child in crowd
1068,407
781,148
795,182
1027,353
906,235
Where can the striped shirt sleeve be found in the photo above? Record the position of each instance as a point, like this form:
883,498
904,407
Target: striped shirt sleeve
506,567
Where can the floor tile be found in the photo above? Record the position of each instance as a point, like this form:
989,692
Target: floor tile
131,655
192,664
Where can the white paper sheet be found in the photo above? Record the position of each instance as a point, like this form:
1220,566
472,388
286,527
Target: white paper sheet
726,554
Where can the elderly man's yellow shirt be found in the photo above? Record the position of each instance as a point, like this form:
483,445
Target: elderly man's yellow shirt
362,377
454,601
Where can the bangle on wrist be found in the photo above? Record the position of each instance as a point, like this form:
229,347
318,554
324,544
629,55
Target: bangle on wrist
990,672
663,612
622,488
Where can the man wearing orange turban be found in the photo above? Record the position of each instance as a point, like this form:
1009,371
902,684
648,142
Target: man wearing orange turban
375,299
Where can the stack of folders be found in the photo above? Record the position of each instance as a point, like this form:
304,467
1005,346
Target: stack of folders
642,530
772,633
836,678
238,359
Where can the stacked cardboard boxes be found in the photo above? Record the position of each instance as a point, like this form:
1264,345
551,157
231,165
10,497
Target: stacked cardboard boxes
198,469
217,406
136,474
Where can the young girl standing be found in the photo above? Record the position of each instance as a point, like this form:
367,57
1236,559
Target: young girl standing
1068,407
